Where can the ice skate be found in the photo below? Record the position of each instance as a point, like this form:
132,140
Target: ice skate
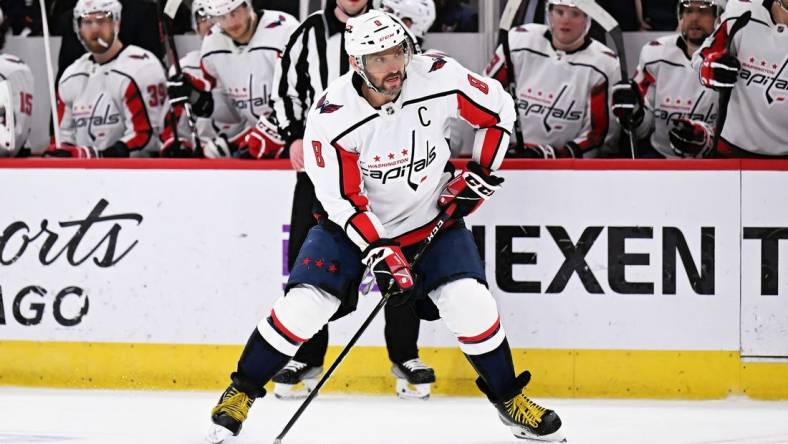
231,411
526,419
296,380
414,379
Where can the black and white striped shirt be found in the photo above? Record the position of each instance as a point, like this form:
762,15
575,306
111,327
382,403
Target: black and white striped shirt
315,55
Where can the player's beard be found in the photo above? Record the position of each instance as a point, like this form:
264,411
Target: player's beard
393,91
100,45
697,41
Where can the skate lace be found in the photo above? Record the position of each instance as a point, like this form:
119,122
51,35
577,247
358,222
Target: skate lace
524,411
415,364
294,366
235,404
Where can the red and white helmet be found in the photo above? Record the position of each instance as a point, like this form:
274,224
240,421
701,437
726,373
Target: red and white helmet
83,8
550,3
421,13
218,8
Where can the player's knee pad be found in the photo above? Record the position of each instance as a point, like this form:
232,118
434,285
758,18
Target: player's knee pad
470,312
296,316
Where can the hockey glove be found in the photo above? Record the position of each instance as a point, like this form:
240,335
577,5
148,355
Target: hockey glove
261,141
628,104
177,148
691,139
186,88
467,191
72,151
719,70
391,269
218,148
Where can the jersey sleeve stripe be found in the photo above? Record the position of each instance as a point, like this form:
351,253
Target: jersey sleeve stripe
491,146
599,118
474,113
364,227
350,178
139,118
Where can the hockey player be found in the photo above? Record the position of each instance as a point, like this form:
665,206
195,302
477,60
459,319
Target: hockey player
16,99
665,100
377,153
238,59
190,64
294,95
112,100
563,80
755,73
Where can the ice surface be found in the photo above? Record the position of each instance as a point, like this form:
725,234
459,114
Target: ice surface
120,417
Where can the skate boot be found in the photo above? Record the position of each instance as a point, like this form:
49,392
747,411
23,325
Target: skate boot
414,379
296,380
233,407
526,419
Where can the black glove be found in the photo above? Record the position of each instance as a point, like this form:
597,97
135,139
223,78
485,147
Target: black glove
690,139
468,190
177,148
391,269
719,70
179,90
628,104
184,88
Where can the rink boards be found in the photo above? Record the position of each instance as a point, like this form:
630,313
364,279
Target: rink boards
613,278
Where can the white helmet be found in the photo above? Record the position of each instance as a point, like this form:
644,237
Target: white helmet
217,8
719,6
373,32
550,3
199,8
420,12
86,7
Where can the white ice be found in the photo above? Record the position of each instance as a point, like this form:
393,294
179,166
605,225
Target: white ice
121,417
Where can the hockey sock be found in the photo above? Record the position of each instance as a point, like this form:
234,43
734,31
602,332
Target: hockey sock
496,370
260,361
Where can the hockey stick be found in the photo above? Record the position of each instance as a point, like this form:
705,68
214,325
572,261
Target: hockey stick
443,217
170,10
725,95
50,74
507,19
610,25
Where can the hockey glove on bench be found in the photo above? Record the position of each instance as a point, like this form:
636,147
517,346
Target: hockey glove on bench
391,269
467,191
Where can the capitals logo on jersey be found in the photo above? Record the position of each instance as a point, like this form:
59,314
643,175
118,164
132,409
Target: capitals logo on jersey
547,104
397,164
761,73
438,63
279,21
325,107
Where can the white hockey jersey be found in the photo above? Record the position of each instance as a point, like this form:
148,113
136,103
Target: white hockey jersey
20,79
562,97
379,172
243,74
124,99
755,124
670,91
